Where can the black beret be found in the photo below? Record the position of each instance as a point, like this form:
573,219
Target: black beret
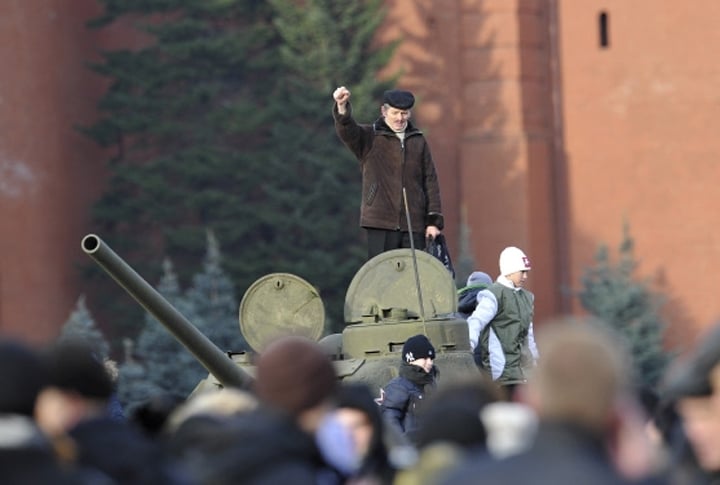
399,99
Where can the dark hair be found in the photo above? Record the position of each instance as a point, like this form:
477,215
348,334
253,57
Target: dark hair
452,414
22,377
73,366
151,415
294,374
358,396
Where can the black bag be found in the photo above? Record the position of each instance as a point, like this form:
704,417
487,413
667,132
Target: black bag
438,248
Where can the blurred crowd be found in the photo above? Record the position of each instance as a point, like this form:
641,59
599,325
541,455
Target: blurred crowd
581,418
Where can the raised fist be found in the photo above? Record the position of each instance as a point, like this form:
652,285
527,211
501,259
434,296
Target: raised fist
341,95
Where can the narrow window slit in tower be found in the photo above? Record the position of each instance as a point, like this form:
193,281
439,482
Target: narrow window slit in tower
603,24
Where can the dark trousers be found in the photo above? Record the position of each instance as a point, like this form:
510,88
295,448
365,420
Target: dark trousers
381,240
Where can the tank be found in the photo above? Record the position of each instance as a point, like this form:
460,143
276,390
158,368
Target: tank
386,303
393,296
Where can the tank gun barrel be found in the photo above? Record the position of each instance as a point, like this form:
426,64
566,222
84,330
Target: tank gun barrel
209,355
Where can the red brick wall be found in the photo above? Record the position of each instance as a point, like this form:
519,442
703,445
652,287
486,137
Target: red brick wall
545,142
480,70
569,140
641,139
49,173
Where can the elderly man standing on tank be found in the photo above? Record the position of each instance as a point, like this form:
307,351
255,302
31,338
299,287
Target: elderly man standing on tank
501,326
393,155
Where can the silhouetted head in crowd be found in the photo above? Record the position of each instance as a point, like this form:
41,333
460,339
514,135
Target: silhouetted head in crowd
693,384
224,402
79,387
479,278
74,367
295,377
692,374
359,413
583,373
152,415
22,377
452,413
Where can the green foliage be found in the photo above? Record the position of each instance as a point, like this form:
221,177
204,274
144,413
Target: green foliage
222,121
152,362
212,295
134,388
81,325
157,363
329,42
631,308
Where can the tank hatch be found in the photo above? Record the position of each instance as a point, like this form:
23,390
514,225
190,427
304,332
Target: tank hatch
385,289
280,304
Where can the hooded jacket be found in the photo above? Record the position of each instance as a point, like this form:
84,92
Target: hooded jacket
467,299
389,164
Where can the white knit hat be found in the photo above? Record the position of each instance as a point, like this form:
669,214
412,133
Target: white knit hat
513,260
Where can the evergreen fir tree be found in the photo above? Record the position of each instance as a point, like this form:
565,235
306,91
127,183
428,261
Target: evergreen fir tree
630,307
81,325
212,295
218,114
324,43
159,363
134,387
186,116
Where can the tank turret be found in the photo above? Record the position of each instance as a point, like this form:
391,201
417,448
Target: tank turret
386,303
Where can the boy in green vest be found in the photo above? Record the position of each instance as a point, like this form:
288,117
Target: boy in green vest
501,326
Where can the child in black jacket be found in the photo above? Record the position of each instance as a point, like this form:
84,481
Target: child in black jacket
400,398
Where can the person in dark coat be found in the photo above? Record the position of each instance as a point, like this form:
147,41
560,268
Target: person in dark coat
359,412
290,438
74,406
402,397
691,389
577,391
451,428
255,448
26,454
396,164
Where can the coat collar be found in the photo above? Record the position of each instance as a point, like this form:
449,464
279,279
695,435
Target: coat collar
381,128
